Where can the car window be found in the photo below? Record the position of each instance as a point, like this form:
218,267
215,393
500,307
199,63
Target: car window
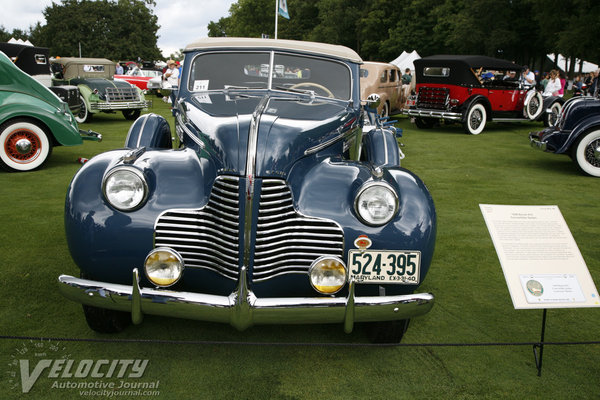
436,71
214,71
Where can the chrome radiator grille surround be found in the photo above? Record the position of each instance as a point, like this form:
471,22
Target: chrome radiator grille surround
207,237
286,241
119,94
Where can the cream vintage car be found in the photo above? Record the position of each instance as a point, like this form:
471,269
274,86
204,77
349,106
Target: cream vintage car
384,80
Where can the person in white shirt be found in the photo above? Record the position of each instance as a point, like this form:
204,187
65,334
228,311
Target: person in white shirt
172,73
553,85
528,77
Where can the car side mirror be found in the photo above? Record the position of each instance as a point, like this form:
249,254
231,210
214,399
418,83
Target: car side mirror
373,101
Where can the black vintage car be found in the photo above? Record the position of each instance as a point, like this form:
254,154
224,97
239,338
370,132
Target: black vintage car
475,90
577,133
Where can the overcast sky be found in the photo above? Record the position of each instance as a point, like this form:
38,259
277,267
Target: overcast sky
180,21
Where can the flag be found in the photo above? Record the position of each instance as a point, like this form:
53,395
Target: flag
283,10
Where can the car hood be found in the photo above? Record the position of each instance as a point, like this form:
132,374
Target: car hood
285,129
100,83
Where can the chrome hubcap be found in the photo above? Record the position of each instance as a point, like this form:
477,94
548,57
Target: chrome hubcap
23,146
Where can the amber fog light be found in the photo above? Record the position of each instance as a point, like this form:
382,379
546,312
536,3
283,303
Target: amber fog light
327,275
163,266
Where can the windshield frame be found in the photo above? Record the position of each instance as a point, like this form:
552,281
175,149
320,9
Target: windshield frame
272,56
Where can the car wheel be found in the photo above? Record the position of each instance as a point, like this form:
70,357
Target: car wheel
103,320
586,153
476,119
551,117
131,115
534,104
387,331
25,145
424,123
385,110
83,115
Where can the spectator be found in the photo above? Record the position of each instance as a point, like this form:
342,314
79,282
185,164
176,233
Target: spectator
406,80
527,77
544,81
563,82
553,86
119,70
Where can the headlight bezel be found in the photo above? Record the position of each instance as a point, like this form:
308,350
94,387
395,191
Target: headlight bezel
315,264
364,190
170,252
138,174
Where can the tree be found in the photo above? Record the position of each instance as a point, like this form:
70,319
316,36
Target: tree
118,30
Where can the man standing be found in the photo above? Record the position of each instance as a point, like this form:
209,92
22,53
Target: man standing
119,70
406,80
528,77
171,75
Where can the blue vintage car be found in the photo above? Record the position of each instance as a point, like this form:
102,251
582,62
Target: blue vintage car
276,208
576,133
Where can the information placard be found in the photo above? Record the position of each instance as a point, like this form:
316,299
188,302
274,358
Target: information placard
542,264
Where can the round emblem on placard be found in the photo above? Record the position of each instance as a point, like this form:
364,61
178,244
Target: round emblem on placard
535,288
363,242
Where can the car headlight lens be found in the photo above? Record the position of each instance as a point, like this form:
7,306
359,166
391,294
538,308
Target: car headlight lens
376,203
327,275
163,266
125,188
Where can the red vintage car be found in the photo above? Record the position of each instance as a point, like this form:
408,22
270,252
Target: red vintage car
139,77
474,90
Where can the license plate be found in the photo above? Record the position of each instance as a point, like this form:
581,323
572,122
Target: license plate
382,266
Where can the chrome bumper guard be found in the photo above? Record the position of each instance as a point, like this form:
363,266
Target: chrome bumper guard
242,308
535,142
90,135
120,105
455,116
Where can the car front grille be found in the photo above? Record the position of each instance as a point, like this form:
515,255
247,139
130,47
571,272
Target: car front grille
433,98
120,94
286,242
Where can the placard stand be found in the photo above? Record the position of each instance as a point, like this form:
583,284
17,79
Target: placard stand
539,356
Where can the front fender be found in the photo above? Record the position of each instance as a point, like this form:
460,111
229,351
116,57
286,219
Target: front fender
106,243
329,188
586,124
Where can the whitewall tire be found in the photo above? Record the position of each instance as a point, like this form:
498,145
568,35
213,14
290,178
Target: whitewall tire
25,145
475,119
586,153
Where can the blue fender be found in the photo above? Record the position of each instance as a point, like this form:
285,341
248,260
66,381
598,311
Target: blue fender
380,148
151,131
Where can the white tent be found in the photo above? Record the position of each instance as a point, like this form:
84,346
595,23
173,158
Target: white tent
20,41
405,60
563,64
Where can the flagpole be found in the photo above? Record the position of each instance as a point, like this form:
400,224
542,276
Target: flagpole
276,14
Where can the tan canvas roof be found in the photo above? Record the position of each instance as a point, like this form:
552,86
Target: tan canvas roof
282,44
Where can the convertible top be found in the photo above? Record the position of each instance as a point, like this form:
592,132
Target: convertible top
325,49
31,59
461,69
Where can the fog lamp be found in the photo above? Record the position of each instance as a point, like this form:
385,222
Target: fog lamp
163,266
327,275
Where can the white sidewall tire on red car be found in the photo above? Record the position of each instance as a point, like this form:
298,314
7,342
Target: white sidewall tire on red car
25,145
533,105
586,153
476,119
551,117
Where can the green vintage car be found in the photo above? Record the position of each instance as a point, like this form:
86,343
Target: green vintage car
32,120
99,91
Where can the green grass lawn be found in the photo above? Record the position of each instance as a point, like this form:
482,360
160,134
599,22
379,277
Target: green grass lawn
472,301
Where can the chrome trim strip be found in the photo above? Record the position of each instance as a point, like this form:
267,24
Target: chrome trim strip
433,114
242,308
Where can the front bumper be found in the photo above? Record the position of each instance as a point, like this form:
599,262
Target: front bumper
90,135
536,142
415,112
126,105
242,308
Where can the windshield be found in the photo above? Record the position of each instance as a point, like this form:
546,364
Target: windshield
215,71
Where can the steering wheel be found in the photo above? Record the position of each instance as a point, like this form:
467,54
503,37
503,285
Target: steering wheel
328,92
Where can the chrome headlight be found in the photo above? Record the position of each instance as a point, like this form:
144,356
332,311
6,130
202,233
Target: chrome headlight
376,203
327,275
125,188
163,266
